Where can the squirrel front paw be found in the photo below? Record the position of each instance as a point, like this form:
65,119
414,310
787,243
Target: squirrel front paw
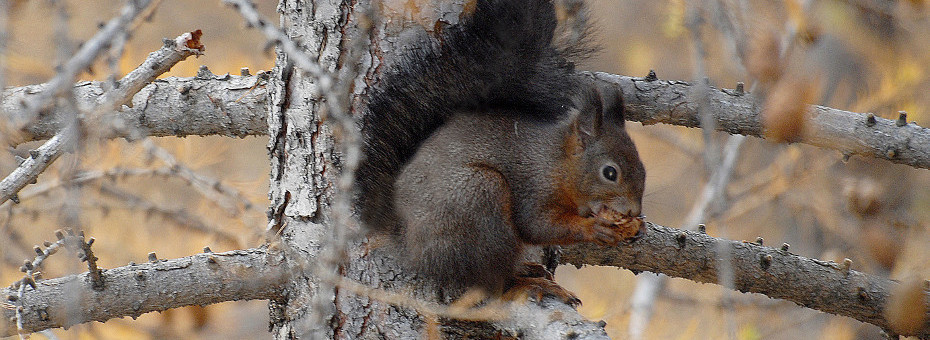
607,232
611,232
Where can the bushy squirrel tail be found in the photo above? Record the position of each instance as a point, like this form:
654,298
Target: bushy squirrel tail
501,58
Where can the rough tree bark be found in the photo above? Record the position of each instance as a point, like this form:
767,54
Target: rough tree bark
159,285
777,273
223,105
301,150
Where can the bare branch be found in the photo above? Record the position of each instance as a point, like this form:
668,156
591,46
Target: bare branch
821,285
157,63
235,106
136,289
82,59
225,105
38,161
671,102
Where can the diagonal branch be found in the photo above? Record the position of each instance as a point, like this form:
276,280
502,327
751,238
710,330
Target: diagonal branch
202,279
82,59
39,159
777,273
158,62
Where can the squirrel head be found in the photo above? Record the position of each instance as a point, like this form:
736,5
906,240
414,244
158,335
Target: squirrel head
608,174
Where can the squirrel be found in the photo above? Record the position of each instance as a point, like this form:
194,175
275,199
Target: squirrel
483,142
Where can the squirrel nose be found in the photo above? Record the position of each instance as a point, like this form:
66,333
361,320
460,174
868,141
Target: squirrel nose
634,213
627,206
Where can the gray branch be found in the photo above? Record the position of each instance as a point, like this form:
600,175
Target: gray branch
225,105
235,106
202,279
820,285
851,133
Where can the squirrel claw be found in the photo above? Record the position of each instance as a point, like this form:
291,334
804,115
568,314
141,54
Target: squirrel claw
606,236
536,288
533,269
639,234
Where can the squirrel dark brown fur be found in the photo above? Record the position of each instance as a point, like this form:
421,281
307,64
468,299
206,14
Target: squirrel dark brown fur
485,141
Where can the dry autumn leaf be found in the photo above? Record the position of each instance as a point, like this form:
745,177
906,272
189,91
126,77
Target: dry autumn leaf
907,307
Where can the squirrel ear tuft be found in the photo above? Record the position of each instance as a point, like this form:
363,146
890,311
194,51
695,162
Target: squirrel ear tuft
599,106
589,120
612,104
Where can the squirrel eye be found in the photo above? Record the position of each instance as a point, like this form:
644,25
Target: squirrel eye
610,173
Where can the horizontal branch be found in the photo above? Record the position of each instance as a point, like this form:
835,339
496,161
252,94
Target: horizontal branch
202,279
529,321
550,320
207,105
235,106
652,101
776,273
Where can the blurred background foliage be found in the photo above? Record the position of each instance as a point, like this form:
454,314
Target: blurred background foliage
856,55
137,204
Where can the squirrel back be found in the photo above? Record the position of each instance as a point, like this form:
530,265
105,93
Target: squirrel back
484,143
501,57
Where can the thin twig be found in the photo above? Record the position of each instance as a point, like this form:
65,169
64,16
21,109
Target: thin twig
211,188
179,216
82,59
295,53
31,274
156,64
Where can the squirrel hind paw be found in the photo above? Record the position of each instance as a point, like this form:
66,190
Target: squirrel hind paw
533,269
534,289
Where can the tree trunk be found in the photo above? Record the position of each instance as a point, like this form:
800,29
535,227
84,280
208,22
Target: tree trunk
305,162
301,150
